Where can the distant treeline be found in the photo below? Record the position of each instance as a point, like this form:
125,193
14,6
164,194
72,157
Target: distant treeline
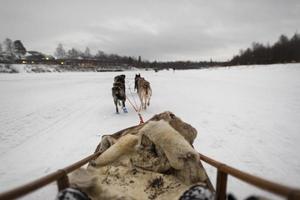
15,52
285,50
76,56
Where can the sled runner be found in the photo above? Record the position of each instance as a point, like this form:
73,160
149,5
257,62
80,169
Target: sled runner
153,160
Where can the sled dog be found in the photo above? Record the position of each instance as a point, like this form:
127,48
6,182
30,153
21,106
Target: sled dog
144,91
118,92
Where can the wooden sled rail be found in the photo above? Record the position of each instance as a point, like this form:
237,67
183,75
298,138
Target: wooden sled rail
223,171
61,177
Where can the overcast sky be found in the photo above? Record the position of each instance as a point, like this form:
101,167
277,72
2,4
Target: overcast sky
155,29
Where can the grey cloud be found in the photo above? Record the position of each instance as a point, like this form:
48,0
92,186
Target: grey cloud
156,30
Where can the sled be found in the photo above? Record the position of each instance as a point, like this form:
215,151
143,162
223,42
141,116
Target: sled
154,160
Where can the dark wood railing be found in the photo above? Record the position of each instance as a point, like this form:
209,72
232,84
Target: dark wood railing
224,170
61,177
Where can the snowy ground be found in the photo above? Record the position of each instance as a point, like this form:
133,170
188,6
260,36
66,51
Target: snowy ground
247,117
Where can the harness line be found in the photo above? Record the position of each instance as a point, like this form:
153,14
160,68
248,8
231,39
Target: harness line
135,107
138,112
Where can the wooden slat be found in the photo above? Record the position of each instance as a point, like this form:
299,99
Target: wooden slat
272,187
34,185
223,170
63,182
41,182
221,185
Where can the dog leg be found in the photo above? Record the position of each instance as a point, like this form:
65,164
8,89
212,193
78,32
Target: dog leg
149,96
148,101
124,108
145,103
116,104
141,100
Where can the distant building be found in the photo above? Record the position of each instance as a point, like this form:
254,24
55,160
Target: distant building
36,57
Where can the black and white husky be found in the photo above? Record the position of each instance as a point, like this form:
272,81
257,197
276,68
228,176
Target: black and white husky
118,92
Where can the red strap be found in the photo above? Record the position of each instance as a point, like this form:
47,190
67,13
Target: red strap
141,119
139,114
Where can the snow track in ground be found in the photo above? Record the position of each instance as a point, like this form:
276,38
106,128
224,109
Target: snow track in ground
247,117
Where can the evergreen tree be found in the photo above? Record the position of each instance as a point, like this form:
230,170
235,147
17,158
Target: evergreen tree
295,48
284,50
19,48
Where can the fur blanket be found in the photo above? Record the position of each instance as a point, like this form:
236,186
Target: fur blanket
154,160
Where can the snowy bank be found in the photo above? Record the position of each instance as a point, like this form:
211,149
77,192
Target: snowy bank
27,68
247,117
39,68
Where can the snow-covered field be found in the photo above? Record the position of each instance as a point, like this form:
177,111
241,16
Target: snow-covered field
246,116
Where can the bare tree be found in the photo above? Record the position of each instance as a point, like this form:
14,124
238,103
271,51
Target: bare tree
87,53
8,45
100,54
74,53
60,51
